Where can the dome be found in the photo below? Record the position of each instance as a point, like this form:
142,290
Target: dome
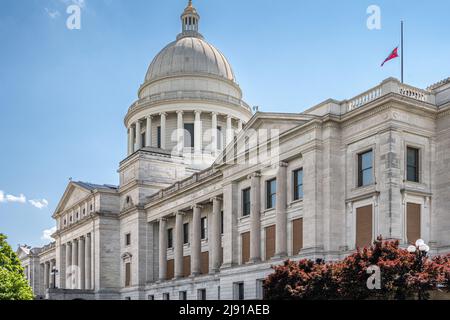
189,55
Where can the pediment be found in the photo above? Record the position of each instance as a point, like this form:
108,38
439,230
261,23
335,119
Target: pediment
73,194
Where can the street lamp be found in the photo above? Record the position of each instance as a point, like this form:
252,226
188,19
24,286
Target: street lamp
420,249
54,272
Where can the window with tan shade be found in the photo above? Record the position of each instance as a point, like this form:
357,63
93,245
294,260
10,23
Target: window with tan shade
245,252
186,266
270,242
412,222
204,263
364,226
297,236
170,269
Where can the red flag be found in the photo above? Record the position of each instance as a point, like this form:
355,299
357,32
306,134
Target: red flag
393,55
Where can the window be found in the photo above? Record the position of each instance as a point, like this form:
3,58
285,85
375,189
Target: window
412,222
169,238
239,291
183,295
84,212
245,247
128,298
201,294
150,297
221,222
158,142
128,239
186,233
271,193
365,166
246,202
127,274
166,296
270,242
297,236
412,167
298,184
219,138
189,135
363,226
142,140
260,292
90,207
204,228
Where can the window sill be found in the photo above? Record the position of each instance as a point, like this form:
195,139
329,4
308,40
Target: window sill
295,202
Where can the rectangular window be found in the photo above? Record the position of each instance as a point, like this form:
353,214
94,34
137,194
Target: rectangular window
412,167
186,233
142,140
189,135
186,266
239,291
158,135
271,193
297,236
245,249
170,269
166,296
364,226
169,238
204,262
204,228
128,239
298,184
412,222
270,242
183,295
150,297
201,294
219,138
127,274
246,202
221,222
365,168
260,292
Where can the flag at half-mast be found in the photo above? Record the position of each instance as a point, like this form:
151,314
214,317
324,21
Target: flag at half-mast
393,55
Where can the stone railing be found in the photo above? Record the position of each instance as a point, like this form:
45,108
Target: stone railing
196,177
189,95
388,86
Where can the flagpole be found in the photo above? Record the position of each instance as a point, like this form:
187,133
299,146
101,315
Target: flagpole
402,48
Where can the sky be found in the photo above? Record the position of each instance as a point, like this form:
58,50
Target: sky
64,93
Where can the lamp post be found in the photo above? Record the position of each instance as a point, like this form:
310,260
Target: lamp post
420,249
54,272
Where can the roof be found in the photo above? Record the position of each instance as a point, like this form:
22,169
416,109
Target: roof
93,186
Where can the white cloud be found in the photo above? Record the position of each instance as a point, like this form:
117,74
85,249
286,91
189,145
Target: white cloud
80,3
47,234
18,199
53,14
39,203
2,196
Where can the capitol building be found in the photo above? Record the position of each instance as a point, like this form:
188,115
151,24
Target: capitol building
211,195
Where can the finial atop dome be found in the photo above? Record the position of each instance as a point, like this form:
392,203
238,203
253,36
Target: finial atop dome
189,22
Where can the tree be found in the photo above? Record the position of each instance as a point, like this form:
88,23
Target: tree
13,285
404,275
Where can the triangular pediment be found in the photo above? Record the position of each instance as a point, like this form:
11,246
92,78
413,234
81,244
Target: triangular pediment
73,194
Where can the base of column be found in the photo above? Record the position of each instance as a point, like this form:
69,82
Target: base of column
194,274
279,256
254,260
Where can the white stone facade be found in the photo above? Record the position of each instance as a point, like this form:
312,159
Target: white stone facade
117,237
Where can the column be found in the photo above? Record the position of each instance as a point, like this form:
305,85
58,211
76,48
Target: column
138,144
69,268
178,249
130,140
229,129
148,132
163,129
214,133
81,263
162,249
240,125
46,275
180,132
88,281
196,241
198,132
281,216
255,221
75,270
216,236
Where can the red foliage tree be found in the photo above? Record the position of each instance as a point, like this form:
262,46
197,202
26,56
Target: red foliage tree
404,275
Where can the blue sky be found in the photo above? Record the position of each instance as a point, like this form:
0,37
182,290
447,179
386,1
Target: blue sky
64,93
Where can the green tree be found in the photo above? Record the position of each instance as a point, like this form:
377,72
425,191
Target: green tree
13,285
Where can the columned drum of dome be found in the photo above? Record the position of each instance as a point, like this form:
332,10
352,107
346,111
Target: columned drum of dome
194,86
